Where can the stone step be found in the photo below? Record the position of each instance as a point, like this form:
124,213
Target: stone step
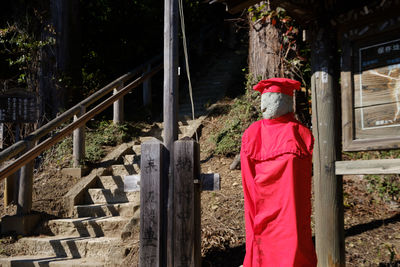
132,160
45,261
103,196
89,226
136,149
111,182
143,139
128,209
122,170
101,248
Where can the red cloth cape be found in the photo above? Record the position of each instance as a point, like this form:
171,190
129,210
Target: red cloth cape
276,161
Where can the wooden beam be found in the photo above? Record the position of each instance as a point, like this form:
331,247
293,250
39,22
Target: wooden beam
376,166
329,222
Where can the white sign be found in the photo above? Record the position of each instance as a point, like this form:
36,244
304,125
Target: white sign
132,183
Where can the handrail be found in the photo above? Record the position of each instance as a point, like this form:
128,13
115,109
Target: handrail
56,122
109,87
34,152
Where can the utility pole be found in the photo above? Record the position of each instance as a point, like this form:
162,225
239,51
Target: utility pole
171,56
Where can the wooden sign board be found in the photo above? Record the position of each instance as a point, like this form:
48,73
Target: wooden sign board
370,81
18,108
377,90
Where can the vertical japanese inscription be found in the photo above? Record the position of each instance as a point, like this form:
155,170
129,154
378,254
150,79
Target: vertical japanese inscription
150,204
184,202
18,108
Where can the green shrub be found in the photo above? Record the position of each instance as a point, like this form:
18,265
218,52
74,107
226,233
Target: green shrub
244,111
386,186
106,133
60,154
102,134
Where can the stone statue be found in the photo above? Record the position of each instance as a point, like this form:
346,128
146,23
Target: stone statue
276,163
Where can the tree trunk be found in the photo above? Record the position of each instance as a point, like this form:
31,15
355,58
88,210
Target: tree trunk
65,17
264,48
60,68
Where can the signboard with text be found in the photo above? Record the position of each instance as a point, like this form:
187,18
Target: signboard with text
378,86
18,108
370,81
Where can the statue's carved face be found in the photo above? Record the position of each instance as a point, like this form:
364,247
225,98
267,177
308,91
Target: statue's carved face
274,105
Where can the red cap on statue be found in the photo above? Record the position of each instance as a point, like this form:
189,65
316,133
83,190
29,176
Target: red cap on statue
277,85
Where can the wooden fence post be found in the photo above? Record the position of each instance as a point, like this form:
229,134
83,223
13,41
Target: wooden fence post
79,141
147,89
187,204
329,222
119,106
24,204
11,186
152,190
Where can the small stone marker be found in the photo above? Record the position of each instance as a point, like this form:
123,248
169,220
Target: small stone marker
132,183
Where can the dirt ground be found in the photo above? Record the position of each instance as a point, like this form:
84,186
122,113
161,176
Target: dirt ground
372,226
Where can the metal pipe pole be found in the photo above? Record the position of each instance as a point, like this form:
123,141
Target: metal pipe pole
171,55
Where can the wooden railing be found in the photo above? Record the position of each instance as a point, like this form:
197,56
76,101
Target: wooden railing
30,148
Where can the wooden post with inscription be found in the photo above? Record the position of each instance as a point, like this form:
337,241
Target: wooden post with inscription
187,203
151,205
188,184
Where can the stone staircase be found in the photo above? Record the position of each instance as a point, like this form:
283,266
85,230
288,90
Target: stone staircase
102,215
92,236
